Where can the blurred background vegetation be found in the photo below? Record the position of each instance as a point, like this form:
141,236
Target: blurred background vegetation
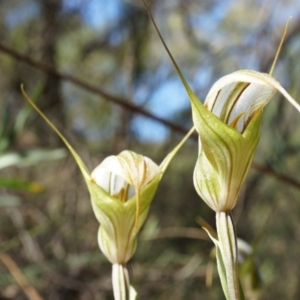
100,73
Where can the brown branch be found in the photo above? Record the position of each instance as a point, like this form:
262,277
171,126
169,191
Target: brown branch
281,177
125,103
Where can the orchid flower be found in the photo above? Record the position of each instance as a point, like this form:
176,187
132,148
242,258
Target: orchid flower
228,124
116,175
122,188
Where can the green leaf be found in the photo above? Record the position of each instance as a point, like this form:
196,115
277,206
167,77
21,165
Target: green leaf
33,187
31,157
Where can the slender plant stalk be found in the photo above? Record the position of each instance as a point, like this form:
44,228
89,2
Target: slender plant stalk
120,281
228,248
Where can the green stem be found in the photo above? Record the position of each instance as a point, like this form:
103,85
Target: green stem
228,248
120,281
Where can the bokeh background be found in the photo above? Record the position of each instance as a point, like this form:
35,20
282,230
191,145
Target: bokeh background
98,70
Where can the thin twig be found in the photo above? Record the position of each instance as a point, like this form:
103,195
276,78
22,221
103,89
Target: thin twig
15,271
281,177
125,103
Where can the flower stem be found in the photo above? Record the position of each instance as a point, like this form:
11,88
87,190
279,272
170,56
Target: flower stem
228,248
120,281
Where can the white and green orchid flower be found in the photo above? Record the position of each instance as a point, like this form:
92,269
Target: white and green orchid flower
228,124
126,178
122,188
